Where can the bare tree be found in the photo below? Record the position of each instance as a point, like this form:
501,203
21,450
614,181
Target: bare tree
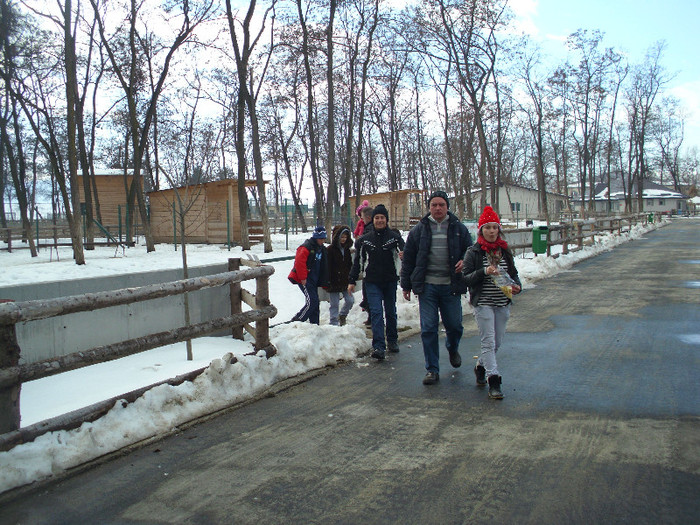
246,101
668,131
535,86
192,14
647,80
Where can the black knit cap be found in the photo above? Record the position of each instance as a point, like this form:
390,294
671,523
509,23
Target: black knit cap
440,194
380,209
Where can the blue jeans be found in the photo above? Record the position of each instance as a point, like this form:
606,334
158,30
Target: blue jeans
334,299
439,298
379,294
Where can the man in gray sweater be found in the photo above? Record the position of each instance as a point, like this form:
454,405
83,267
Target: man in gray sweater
432,269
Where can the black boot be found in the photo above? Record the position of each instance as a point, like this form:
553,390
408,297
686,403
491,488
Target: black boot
495,387
480,373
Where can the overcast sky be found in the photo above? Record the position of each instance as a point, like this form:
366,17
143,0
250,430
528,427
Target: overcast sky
630,26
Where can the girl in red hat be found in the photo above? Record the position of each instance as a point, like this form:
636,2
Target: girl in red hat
489,269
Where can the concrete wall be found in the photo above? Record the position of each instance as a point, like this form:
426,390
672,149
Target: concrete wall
63,335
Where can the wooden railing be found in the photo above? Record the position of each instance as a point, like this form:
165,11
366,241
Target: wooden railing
577,231
13,374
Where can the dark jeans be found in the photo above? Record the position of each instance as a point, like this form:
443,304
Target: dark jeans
382,302
439,298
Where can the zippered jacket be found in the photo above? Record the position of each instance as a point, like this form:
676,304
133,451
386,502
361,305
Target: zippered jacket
417,251
474,271
377,254
304,263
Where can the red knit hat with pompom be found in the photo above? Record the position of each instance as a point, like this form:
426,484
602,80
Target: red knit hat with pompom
361,207
487,216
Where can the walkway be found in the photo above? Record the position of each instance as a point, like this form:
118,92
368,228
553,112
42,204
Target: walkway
600,424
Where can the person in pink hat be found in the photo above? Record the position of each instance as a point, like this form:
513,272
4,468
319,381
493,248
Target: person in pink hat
490,272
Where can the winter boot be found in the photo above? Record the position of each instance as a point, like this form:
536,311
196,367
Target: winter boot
480,373
393,347
342,319
495,387
431,378
378,353
455,359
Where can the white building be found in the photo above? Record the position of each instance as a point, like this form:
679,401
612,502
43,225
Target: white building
520,202
657,199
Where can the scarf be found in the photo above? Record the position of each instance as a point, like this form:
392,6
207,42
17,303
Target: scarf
490,247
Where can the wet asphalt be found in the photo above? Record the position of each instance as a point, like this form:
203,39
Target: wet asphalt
600,423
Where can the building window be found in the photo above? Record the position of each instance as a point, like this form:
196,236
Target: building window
661,202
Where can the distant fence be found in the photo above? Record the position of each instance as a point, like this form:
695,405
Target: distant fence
576,232
12,374
54,235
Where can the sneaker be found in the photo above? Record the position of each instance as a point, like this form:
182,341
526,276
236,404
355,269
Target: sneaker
455,360
431,378
495,387
342,319
393,347
480,373
377,353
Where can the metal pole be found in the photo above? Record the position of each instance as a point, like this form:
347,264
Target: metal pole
228,225
174,229
286,227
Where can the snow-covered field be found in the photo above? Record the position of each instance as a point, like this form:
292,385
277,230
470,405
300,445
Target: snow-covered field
301,347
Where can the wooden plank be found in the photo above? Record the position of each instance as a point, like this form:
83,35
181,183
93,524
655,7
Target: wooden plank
45,308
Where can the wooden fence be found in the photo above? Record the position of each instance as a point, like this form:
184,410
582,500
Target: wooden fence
576,232
12,374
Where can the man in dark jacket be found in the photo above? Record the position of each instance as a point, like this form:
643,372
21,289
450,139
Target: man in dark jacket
310,271
432,269
377,252
339,265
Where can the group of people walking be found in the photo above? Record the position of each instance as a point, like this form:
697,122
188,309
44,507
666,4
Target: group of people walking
437,263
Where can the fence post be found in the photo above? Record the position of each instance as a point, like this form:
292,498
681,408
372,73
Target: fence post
235,292
565,243
579,234
262,326
9,393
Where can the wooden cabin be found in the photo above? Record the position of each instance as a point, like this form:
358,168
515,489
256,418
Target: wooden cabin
213,215
406,207
112,190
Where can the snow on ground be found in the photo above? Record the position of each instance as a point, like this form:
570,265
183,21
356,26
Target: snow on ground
301,347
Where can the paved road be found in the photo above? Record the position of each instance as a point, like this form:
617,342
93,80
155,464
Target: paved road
600,424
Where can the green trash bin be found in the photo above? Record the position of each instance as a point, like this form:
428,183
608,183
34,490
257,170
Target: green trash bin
650,218
540,234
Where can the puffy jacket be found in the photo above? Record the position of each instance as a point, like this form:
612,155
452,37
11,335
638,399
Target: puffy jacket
474,271
304,261
377,252
339,260
415,256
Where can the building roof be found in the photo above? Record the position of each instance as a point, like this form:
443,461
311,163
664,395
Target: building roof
512,185
650,190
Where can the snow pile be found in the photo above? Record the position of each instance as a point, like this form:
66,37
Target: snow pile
301,347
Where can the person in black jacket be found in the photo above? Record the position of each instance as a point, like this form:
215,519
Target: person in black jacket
432,269
377,253
339,266
309,272
489,271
